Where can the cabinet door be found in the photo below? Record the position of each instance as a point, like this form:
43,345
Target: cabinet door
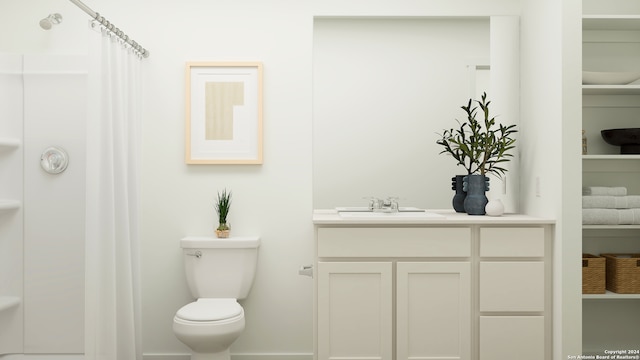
433,310
355,310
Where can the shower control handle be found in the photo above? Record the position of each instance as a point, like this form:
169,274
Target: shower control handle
197,254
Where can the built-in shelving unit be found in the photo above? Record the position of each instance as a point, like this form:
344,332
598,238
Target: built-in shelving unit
610,43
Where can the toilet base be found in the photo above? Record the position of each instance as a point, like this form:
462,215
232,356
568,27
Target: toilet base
223,355
209,340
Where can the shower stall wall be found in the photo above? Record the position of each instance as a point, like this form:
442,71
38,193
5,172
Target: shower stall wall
41,214
11,212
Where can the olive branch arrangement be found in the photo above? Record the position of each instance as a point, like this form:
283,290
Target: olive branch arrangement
477,145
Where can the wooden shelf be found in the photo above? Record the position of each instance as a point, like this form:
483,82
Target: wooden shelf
611,22
610,296
633,89
611,157
8,302
610,227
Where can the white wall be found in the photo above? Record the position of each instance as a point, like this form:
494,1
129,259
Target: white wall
273,200
54,204
550,110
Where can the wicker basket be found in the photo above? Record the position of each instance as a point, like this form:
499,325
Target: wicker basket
593,278
623,273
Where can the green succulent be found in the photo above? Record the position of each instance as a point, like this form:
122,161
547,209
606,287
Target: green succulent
223,204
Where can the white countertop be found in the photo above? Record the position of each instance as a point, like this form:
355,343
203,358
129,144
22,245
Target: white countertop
449,217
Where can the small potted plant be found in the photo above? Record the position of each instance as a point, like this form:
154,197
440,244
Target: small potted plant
481,148
223,204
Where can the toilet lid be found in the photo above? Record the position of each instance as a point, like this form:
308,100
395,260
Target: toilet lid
210,310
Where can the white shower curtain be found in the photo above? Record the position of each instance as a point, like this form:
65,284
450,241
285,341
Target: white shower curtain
112,294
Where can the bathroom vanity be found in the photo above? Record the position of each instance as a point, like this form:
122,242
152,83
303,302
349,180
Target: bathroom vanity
448,286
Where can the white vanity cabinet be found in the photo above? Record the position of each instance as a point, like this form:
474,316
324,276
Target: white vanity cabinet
356,315
513,292
362,303
432,290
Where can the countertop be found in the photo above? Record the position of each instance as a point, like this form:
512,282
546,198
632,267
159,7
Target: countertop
448,217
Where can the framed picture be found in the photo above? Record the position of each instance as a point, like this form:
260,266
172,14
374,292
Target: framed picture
223,113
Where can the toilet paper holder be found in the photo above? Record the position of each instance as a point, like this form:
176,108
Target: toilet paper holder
306,270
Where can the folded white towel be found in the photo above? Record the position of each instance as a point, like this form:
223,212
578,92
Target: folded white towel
610,216
605,190
610,202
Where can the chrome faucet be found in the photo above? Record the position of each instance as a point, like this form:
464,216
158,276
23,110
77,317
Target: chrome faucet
390,204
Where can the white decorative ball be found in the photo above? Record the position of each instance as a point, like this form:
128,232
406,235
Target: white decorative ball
494,208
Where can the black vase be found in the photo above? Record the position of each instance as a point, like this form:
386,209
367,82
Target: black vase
476,200
458,198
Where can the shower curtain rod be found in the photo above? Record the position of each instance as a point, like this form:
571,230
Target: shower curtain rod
109,26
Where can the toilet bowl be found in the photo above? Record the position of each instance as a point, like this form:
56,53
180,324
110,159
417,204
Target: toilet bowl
209,327
219,272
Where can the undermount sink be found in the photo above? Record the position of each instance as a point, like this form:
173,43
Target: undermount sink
368,210
404,213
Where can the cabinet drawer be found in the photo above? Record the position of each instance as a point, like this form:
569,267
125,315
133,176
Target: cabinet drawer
394,242
512,337
512,242
512,286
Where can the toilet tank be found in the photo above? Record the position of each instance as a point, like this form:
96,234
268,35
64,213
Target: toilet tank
220,268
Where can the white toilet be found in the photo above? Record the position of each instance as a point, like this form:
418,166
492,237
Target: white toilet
219,272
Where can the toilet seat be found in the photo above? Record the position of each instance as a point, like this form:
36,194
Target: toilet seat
210,310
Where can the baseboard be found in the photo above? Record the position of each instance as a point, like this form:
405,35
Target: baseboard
269,356
279,356
255,356
166,357
41,356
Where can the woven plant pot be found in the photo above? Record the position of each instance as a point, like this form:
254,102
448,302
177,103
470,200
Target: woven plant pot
222,233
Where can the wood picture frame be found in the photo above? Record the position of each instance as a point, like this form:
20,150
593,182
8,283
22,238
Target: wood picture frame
223,113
